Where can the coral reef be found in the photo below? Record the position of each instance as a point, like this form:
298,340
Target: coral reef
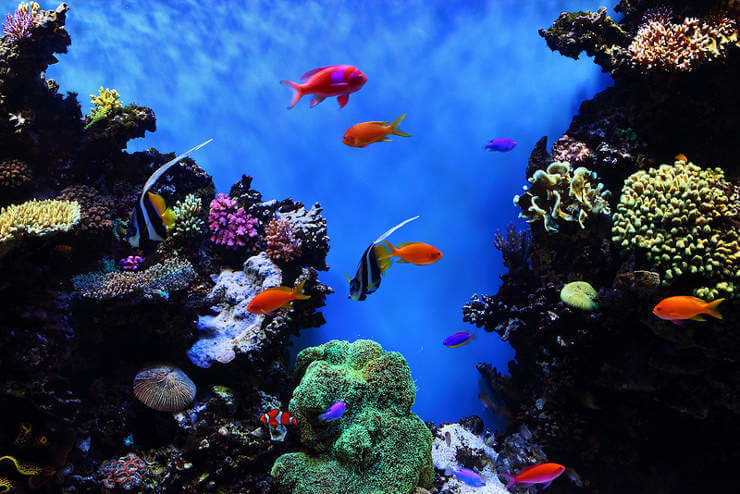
188,223
579,294
14,174
685,219
229,225
37,219
105,102
378,445
282,243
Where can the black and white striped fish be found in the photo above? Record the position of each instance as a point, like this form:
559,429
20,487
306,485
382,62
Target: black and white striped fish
146,218
369,271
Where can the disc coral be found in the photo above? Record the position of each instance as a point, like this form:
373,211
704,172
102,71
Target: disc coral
164,388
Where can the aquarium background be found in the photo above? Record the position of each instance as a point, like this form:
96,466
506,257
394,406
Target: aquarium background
465,72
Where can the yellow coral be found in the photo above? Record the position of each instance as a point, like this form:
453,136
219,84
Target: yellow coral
104,102
37,218
32,7
579,294
685,219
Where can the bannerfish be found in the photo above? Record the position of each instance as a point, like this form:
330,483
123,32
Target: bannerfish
680,308
458,339
502,144
417,253
275,298
362,134
466,475
150,216
276,417
333,412
367,277
544,473
333,80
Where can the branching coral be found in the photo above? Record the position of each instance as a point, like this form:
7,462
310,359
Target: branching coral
378,445
514,247
159,280
229,225
561,193
14,174
282,243
104,102
18,25
662,45
685,219
187,223
37,218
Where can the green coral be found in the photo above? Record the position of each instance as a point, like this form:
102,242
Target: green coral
685,219
104,102
377,446
188,222
579,294
561,193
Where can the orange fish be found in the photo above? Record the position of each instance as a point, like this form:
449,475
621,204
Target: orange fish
543,473
362,134
681,157
276,298
417,253
677,309
333,80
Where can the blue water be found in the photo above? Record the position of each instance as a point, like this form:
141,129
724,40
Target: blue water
465,72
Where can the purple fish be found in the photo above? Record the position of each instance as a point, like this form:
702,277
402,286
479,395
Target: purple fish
503,144
467,476
458,339
333,412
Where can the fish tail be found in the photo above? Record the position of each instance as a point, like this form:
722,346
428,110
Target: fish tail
394,127
511,480
711,308
298,292
297,92
384,257
385,251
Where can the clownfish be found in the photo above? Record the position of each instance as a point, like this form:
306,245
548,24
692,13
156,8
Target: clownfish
275,418
150,216
333,80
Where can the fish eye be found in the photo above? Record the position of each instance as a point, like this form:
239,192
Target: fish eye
658,308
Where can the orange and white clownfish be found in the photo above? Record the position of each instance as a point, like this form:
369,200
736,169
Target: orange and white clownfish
276,417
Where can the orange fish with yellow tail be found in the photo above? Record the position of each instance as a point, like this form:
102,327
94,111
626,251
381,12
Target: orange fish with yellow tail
280,297
417,253
362,134
681,308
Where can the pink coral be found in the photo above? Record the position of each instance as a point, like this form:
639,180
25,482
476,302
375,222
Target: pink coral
230,226
128,472
18,25
282,244
130,263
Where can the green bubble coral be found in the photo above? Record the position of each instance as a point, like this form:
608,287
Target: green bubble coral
104,102
561,193
579,294
377,446
685,220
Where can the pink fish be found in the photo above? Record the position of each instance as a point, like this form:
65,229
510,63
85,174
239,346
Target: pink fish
544,473
334,80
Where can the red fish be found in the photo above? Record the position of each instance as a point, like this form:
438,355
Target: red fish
362,134
544,473
276,298
677,309
276,417
333,80
417,253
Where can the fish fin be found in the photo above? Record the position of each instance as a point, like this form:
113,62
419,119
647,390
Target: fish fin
378,122
394,127
168,218
348,278
342,99
383,252
524,485
383,255
286,305
158,202
403,261
678,322
311,72
698,317
545,486
298,292
338,85
711,308
297,92
281,289
510,479
386,234
385,140
316,100
404,244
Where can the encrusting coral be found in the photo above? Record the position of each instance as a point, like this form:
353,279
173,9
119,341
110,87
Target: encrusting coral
282,243
96,209
37,218
685,219
378,445
561,193
14,174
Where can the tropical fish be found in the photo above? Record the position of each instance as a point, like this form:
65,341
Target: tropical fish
544,473
503,144
367,277
680,308
417,253
275,418
279,297
333,412
362,134
150,216
466,475
333,80
458,339
681,157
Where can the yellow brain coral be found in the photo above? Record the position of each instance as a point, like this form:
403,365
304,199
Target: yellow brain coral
685,219
104,102
37,218
561,193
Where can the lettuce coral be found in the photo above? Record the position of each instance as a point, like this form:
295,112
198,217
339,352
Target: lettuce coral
685,219
561,193
37,218
378,445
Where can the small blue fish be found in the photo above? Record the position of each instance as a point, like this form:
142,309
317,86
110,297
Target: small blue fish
333,412
503,144
467,476
458,339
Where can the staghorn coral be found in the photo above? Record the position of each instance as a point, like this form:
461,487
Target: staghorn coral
685,219
187,224
159,280
18,26
378,445
662,45
562,193
282,243
229,225
14,174
37,218
96,209
104,103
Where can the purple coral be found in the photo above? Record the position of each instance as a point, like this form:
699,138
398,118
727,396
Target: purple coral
130,263
282,244
18,25
127,472
230,226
